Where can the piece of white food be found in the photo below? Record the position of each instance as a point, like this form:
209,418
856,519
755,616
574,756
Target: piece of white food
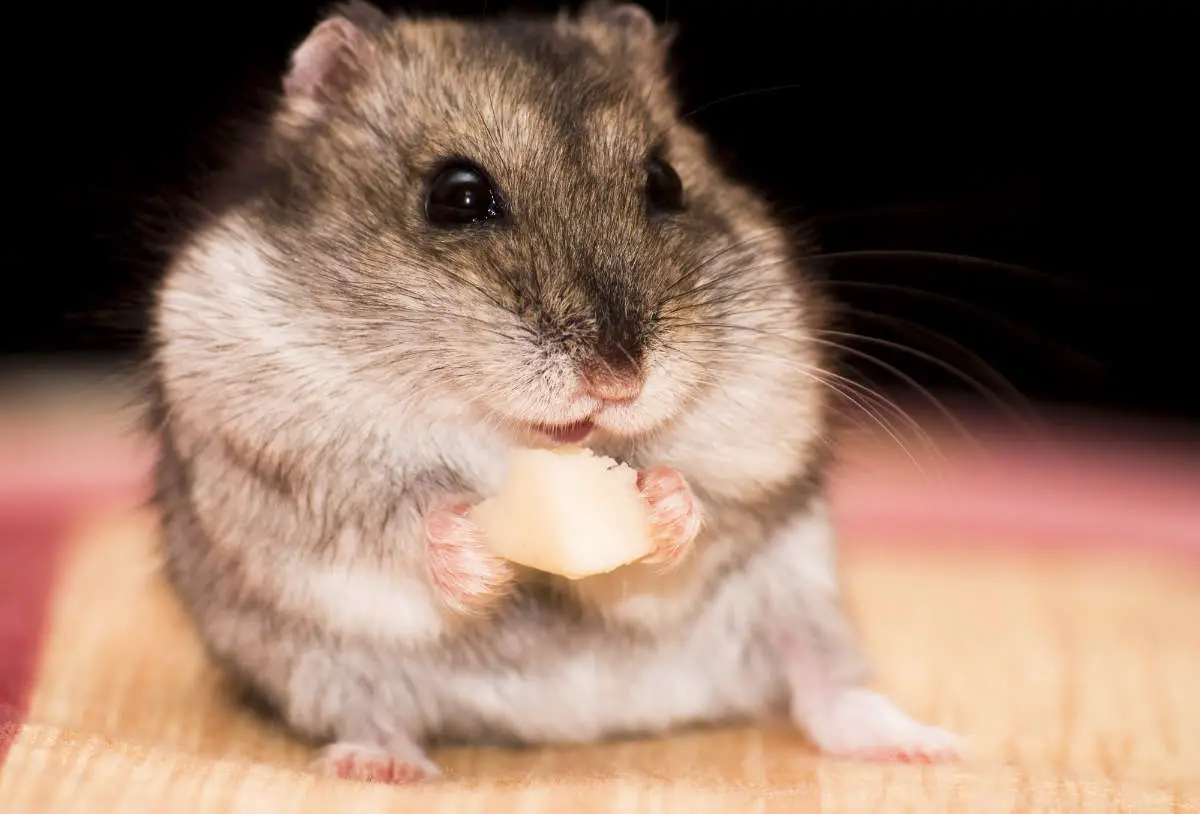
567,511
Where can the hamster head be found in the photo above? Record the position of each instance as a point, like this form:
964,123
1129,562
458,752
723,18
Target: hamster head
514,209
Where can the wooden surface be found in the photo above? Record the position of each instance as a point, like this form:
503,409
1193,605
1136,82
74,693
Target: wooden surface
1073,670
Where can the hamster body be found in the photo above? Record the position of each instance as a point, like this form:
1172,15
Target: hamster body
455,239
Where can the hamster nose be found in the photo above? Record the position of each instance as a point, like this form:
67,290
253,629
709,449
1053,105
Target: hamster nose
609,384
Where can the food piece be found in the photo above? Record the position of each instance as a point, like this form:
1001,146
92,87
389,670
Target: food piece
567,512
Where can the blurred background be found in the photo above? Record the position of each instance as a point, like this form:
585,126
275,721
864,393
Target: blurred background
1004,192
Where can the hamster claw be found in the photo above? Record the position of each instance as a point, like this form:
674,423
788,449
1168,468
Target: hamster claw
464,574
373,764
675,514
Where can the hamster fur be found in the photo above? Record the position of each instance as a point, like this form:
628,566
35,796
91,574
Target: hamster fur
338,374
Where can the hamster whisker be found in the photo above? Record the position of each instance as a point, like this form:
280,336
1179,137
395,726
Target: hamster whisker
686,117
985,263
842,347
848,389
968,379
1071,355
729,284
1017,406
1010,326
870,410
691,271
933,400
1002,393
992,394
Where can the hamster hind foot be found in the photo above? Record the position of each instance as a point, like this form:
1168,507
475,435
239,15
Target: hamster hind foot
844,719
861,724
467,578
373,764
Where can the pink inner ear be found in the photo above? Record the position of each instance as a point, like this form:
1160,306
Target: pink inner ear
331,46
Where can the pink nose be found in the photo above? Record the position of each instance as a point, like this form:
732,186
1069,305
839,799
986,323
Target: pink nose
611,386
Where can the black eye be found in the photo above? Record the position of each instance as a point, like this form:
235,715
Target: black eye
461,194
664,189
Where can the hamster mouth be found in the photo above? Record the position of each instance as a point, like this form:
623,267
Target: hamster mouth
566,433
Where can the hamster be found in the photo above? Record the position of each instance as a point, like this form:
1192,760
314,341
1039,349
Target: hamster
458,238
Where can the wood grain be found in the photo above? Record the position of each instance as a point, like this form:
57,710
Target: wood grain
1075,679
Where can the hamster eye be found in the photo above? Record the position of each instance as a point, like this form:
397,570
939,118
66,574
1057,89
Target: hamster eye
664,188
461,194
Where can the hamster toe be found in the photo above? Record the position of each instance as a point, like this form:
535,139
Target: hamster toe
865,725
373,764
465,575
675,514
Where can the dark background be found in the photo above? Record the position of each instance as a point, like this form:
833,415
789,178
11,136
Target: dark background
1051,141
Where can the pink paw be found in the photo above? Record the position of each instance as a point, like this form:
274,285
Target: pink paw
864,725
675,514
372,764
466,576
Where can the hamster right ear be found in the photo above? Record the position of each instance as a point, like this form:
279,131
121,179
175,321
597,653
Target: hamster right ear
333,54
631,22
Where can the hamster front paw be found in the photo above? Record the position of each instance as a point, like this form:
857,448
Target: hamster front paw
465,575
675,514
373,764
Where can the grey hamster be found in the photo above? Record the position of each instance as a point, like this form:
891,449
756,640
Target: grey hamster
453,239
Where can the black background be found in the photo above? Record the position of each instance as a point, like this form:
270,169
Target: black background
1052,141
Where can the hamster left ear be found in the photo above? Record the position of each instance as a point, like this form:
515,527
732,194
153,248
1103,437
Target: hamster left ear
633,24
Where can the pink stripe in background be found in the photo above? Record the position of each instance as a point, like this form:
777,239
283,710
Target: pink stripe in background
1094,493
70,476
28,553
47,487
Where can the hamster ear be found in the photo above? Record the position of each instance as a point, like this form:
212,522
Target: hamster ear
333,53
632,23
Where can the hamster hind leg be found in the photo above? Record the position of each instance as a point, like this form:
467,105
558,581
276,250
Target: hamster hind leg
362,705
370,744
826,673
843,718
